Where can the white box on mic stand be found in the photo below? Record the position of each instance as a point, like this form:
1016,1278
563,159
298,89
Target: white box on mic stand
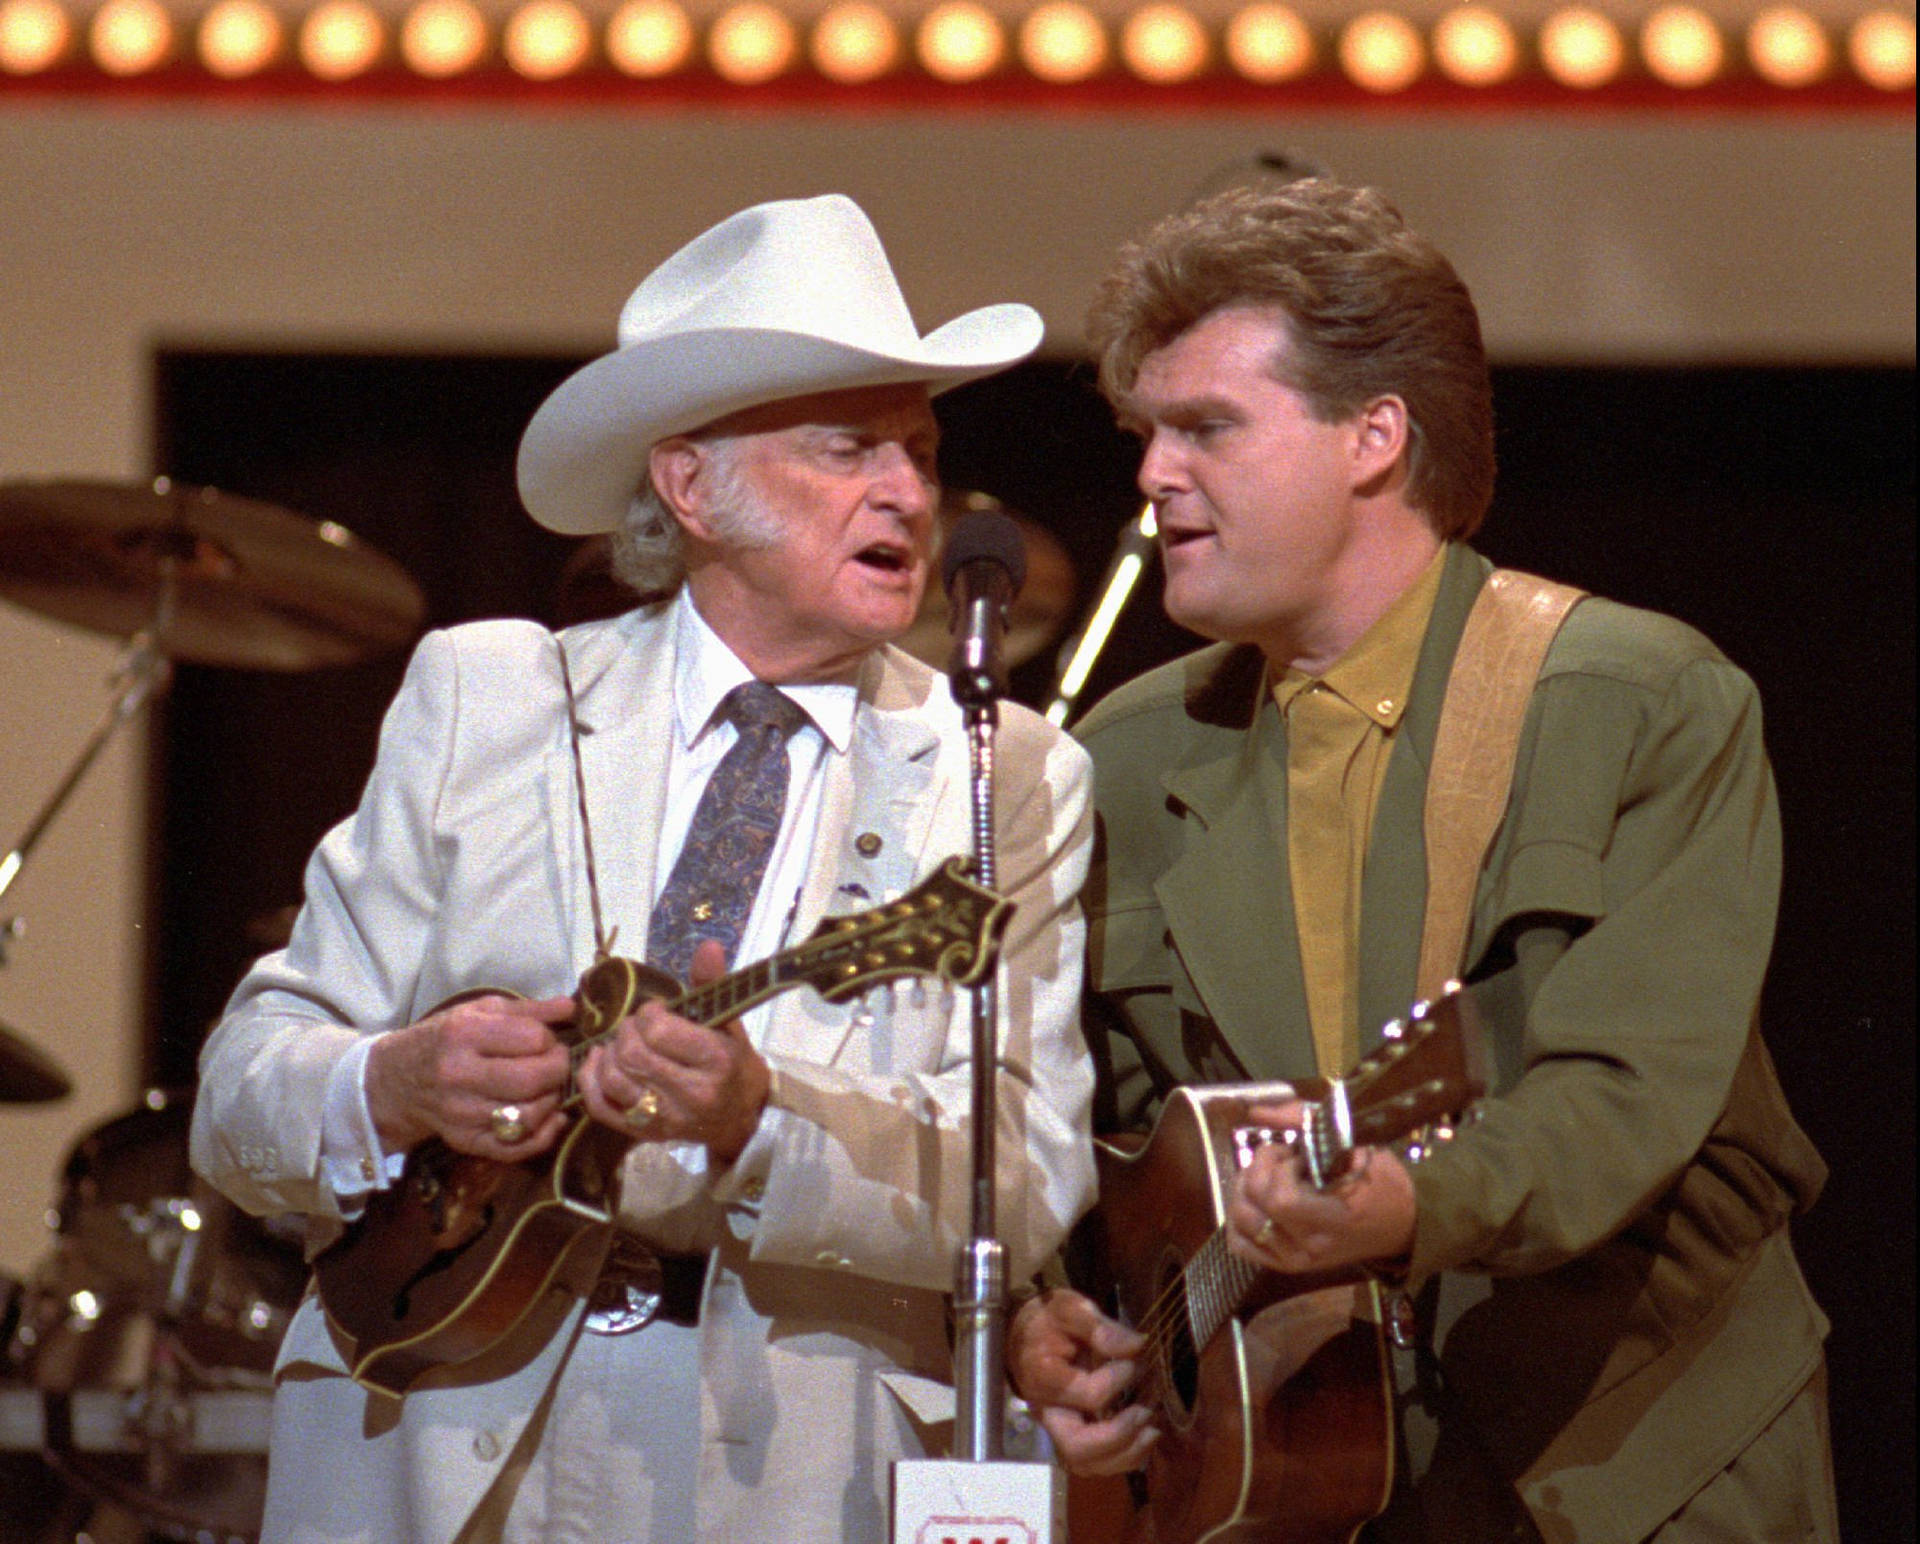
953,1501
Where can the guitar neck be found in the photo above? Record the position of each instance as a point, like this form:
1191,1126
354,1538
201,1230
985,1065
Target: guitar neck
1215,1283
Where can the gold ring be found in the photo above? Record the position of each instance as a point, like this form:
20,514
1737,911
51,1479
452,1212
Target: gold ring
508,1124
1263,1235
645,1110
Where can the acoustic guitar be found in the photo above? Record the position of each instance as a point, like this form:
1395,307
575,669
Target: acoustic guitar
1272,1393
443,1264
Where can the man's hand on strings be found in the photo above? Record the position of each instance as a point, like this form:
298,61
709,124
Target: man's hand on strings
665,1078
486,1076
1073,1364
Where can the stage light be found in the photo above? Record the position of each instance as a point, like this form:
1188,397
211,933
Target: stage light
130,37
443,38
1475,46
33,36
855,42
1788,47
752,43
1164,44
341,39
1269,44
1382,52
1062,42
1581,48
546,39
1881,48
649,38
960,41
239,38
1682,46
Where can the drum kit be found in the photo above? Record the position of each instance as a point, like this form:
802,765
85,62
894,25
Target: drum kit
136,1357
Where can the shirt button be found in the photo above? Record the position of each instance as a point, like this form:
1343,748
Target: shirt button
753,1190
366,1170
486,1447
867,843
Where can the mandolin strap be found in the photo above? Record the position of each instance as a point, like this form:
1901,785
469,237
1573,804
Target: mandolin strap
602,939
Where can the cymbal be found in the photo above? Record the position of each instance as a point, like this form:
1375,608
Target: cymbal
217,579
28,1076
1038,612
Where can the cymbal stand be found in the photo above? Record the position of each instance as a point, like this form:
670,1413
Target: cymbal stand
141,671
1130,559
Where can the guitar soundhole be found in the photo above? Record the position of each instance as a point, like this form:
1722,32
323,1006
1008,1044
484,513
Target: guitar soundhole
1180,1359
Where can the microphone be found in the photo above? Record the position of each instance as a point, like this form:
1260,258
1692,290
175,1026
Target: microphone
984,567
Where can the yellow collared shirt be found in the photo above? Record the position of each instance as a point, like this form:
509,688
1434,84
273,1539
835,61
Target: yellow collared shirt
1340,729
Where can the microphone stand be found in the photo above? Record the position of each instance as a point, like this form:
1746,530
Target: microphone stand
979,1487
980,1270
1132,554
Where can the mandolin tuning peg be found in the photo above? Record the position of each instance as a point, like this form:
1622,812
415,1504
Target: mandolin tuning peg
1393,1029
1419,1010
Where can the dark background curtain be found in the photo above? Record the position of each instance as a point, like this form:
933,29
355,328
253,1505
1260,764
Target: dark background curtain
1771,508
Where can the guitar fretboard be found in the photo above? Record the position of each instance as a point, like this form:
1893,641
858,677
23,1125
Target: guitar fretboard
1218,1281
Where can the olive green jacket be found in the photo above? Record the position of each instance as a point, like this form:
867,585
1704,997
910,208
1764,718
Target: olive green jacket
1628,1185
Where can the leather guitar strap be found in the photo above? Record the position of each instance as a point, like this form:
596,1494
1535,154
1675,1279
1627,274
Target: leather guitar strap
1513,622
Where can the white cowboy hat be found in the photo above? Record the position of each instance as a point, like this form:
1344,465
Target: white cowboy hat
782,300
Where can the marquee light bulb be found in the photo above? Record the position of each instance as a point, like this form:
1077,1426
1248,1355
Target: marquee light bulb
1062,42
960,41
1682,46
34,35
649,38
1788,47
1475,46
1881,48
240,38
443,38
1164,44
341,39
1581,48
752,43
1382,52
855,42
547,39
130,37
1268,44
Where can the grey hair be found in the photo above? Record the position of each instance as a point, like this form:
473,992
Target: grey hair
650,547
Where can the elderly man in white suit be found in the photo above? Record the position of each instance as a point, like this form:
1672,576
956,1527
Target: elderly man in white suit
763,442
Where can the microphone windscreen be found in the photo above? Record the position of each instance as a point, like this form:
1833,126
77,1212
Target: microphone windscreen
985,534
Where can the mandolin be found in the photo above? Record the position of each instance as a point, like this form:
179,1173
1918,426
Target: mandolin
443,1264
1271,1392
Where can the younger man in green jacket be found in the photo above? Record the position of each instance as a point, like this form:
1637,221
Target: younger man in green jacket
1627,1349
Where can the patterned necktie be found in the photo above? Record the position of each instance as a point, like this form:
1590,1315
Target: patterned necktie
711,890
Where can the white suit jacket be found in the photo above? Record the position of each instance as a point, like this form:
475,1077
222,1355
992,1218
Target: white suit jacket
835,1231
